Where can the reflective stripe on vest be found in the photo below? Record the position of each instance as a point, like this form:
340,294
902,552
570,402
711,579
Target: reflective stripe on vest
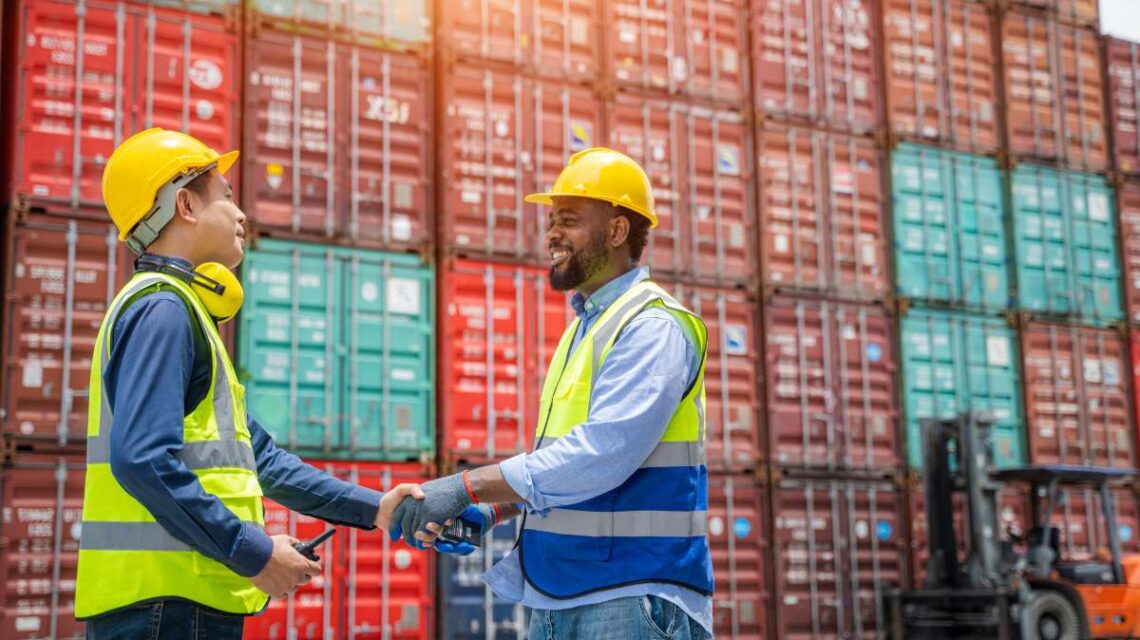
650,529
124,555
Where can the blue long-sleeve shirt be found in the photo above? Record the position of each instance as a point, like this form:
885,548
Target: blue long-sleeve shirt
634,395
158,372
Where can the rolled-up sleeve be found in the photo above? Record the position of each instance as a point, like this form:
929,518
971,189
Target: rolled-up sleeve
634,396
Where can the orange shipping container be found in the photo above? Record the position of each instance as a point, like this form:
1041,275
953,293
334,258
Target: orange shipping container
1129,202
1124,100
941,73
1055,101
1081,12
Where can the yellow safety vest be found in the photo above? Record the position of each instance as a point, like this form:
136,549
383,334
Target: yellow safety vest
125,556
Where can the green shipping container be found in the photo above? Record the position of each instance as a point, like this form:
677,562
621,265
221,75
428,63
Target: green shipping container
950,239
389,21
954,362
337,348
1065,240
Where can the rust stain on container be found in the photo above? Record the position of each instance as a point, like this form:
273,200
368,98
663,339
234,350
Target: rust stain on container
821,211
941,84
830,386
1124,100
1055,105
1076,400
737,540
337,141
816,61
838,546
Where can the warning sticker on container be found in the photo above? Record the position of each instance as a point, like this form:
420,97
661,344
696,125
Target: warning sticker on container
883,530
401,228
736,340
728,160
874,352
1125,533
716,526
580,136
1093,371
33,374
997,351
742,527
1111,373
862,529
842,180
403,296
206,75
1098,207
274,175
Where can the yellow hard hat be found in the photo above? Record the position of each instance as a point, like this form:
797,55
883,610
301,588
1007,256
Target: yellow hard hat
142,175
603,174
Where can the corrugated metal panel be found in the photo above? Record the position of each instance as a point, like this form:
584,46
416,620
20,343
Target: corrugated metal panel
955,362
60,277
838,547
821,213
1055,101
684,47
1082,12
950,238
942,84
390,23
1129,194
1065,239
338,346
337,141
504,136
547,37
499,328
43,509
1013,516
370,587
732,402
137,67
830,386
737,541
221,7
816,61
1081,521
471,611
697,163
1077,408
1124,100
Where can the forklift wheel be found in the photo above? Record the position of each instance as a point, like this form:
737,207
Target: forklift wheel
1050,616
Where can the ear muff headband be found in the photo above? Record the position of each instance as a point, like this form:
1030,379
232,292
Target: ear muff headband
217,288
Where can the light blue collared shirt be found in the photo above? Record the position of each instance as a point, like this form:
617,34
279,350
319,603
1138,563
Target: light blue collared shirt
635,394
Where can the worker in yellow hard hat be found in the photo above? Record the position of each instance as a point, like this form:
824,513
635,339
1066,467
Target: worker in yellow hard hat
614,496
172,543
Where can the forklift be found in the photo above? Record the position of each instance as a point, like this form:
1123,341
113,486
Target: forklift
1011,587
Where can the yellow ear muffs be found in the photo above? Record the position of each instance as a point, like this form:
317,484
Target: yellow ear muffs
219,290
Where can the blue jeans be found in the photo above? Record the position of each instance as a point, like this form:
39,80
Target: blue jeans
644,618
165,620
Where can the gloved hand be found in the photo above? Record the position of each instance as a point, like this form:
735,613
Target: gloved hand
444,498
480,514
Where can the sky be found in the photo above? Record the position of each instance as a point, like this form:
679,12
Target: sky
1121,18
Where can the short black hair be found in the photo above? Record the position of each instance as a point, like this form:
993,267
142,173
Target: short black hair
638,231
200,185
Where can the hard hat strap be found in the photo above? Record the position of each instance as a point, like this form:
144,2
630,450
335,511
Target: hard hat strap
146,231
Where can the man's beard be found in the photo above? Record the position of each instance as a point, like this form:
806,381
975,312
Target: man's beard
580,266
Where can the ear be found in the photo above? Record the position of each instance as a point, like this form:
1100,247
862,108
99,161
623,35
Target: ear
619,231
184,205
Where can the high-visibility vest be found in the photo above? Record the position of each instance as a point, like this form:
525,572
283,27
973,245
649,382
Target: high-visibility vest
125,556
652,527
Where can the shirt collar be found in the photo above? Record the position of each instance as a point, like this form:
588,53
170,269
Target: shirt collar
171,260
605,296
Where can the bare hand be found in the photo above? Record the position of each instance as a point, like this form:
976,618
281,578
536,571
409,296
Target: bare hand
392,499
286,569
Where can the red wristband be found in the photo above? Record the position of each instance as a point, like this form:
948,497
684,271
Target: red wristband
495,508
470,491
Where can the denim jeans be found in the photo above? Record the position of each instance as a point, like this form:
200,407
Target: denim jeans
643,618
165,620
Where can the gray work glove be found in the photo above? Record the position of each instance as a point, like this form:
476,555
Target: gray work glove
444,499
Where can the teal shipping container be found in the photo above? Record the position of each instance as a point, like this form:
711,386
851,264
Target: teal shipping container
1065,240
389,21
950,238
954,362
337,350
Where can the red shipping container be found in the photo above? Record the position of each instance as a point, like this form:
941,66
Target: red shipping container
838,547
816,61
732,402
698,166
1081,521
43,511
941,73
692,48
60,277
544,37
1076,401
370,588
1055,101
821,212
830,386
1128,196
501,131
337,141
738,542
138,67
499,328
1082,12
1124,100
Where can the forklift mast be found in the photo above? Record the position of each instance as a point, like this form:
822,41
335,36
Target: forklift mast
958,459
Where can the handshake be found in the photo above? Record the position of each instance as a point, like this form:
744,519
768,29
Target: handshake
419,513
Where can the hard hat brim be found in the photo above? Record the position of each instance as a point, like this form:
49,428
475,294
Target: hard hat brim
227,160
548,200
